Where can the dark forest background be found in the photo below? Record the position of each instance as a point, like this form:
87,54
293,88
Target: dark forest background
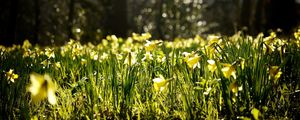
56,21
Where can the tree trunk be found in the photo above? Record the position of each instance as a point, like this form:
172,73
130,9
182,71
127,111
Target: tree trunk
71,18
248,15
158,18
119,18
282,15
37,21
11,38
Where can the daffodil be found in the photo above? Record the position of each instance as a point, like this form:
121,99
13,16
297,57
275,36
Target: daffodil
104,56
146,36
209,50
297,34
207,91
130,59
151,45
11,76
268,48
275,72
228,71
233,87
46,63
114,38
255,113
269,43
160,57
142,37
199,39
270,39
297,42
42,87
83,61
211,65
147,56
94,55
49,53
104,42
160,83
57,65
214,39
26,44
191,59
77,50
186,55
28,53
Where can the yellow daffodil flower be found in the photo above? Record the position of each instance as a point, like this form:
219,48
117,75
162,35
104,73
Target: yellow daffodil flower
228,71
160,83
42,87
186,55
213,39
200,40
49,53
297,34
275,72
83,61
210,51
114,38
211,65
233,87
160,57
28,53
46,63
147,56
104,56
191,59
146,36
104,42
94,55
57,65
142,37
268,48
256,113
270,39
26,44
151,45
11,75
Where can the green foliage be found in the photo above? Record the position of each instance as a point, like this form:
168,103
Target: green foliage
237,77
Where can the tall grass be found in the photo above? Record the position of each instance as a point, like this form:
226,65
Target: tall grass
254,77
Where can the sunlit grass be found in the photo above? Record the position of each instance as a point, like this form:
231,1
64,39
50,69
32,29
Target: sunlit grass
237,77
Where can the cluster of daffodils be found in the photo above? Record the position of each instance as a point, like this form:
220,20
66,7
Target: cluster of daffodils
139,49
